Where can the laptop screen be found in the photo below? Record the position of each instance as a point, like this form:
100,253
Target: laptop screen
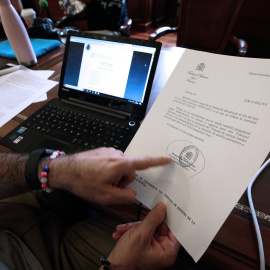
113,69
119,70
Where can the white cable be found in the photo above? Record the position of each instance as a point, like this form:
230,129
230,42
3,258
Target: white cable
254,217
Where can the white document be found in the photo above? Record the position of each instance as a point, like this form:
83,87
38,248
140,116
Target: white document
45,74
18,90
212,118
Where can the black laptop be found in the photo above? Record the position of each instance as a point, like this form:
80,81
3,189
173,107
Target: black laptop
103,94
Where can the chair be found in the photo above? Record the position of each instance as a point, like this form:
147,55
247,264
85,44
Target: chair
207,25
74,19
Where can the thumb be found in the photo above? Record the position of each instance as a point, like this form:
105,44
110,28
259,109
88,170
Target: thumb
153,220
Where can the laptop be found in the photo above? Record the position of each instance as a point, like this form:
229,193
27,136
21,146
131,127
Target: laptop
103,94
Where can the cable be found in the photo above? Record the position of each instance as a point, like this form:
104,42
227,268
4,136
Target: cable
253,213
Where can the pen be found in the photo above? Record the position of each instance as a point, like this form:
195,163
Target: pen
9,68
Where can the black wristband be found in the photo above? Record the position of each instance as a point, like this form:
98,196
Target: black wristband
31,168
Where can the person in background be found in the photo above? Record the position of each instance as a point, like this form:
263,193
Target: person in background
100,14
23,4
56,230
18,6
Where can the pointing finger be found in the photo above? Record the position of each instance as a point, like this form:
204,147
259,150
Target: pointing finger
142,163
130,165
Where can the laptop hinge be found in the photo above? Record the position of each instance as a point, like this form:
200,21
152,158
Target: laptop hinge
97,108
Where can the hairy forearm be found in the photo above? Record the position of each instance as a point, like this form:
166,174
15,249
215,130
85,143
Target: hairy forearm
12,173
12,179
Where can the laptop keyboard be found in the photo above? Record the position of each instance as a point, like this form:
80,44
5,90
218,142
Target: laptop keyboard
82,130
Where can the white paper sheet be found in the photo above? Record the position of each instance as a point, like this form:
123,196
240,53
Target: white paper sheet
18,90
212,118
45,74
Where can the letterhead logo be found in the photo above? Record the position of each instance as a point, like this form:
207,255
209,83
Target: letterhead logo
188,156
200,67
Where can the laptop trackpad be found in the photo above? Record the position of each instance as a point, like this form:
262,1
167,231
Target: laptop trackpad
49,143
22,139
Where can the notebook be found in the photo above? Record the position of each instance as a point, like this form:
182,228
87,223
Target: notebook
103,94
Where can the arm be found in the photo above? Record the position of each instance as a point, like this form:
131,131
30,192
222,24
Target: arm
12,179
99,175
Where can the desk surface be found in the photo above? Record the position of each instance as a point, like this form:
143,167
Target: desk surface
235,245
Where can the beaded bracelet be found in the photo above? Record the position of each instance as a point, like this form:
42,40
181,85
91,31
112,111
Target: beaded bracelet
105,263
45,171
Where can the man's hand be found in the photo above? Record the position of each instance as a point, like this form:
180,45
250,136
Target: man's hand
146,245
100,175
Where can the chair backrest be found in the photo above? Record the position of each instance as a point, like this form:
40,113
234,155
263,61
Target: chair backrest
207,24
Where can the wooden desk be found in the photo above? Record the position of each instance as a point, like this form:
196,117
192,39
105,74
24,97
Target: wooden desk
235,245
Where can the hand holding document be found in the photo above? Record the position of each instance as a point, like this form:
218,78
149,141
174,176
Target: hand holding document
211,118
18,90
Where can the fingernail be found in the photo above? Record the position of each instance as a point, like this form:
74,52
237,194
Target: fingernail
134,223
161,206
169,159
121,225
115,235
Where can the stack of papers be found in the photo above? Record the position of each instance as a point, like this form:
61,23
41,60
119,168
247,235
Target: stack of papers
21,88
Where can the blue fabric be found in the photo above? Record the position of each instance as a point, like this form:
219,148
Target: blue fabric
40,46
